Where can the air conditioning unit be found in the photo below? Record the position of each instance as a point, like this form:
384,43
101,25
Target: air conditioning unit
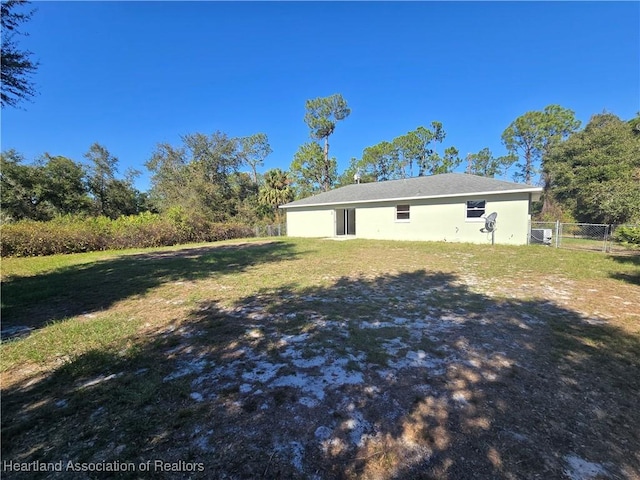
541,236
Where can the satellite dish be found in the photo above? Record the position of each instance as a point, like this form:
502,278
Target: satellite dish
490,222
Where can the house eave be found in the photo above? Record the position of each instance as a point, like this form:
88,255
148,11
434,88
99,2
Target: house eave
533,191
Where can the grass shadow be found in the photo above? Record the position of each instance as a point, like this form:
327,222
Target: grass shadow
633,260
408,375
35,301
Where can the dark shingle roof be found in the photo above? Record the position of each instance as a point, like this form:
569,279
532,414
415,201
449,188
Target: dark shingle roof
444,185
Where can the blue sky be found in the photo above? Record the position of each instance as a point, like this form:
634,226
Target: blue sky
132,74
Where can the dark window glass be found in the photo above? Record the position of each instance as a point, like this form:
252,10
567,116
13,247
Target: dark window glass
476,208
402,212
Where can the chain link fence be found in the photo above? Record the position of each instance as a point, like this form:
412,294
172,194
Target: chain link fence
578,236
618,246
277,230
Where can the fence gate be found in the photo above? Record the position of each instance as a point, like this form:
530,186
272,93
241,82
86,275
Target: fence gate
583,236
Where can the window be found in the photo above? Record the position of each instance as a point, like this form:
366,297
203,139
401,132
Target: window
402,212
476,208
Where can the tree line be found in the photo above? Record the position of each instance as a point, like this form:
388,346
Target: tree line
201,176
55,185
590,174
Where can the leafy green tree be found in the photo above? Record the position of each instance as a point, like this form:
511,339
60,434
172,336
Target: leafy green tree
595,173
123,198
421,146
382,162
310,172
144,203
418,147
62,186
169,182
276,190
531,135
635,124
356,167
243,201
397,159
406,147
445,164
214,159
485,164
17,65
321,117
102,169
20,184
198,176
112,197
56,185
254,149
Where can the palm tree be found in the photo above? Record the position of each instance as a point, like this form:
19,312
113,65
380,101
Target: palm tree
276,190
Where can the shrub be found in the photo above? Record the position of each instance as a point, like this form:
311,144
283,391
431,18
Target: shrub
627,234
29,238
69,234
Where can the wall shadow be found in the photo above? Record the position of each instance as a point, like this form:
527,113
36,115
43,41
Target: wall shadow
35,301
410,375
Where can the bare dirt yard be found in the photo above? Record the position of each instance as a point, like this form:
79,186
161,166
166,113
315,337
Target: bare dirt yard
324,360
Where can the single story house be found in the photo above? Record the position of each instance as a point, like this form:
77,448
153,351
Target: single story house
450,207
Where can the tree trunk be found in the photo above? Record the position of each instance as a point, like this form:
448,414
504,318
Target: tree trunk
551,209
326,183
326,149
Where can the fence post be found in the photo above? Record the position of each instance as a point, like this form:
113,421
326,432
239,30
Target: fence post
279,234
557,233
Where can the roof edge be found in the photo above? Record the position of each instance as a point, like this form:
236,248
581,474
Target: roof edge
422,197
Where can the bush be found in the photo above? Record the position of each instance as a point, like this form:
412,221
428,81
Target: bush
71,234
629,235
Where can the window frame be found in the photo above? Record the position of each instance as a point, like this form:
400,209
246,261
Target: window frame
468,209
406,212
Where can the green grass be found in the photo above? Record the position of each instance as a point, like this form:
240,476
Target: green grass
29,266
65,340
584,243
82,302
115,316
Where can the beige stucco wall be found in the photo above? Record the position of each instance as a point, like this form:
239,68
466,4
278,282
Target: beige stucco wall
435,219
311,222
